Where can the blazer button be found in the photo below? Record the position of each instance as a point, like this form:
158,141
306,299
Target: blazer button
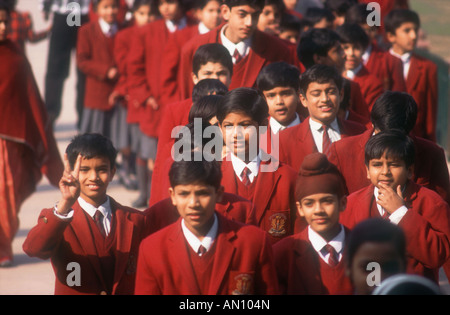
103,293
45,219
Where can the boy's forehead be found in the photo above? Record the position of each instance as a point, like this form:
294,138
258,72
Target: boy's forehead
314,86
197,186
246,8
237,116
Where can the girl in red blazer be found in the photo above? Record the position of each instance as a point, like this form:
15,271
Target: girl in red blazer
203,252
95,58
311,262
88,231
422,214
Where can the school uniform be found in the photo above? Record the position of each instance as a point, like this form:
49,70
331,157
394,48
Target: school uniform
233,207
28,149
171,59
303,139
145,62
271,188
425,220
430,167
95,56
255,53
238,260
420,79
107,262
303,265
371,86
357,102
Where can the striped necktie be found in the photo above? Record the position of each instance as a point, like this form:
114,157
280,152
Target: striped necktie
326,141
333,259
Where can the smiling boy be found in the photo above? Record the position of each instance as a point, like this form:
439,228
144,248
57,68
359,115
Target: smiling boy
203,252
422,214
310,262
87,226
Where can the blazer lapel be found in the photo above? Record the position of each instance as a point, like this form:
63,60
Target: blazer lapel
80,227
225,247
415,71
265,185
179,255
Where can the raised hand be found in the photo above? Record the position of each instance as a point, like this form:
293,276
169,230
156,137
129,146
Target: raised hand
69,185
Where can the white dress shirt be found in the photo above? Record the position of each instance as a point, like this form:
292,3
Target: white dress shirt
202,29
207,241
172,27
275,126
242,47
316,129
318,243
366,54
395,216
406,60
105,209
108,29
352,73
253,166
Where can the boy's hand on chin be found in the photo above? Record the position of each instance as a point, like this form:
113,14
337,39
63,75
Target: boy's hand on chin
389,198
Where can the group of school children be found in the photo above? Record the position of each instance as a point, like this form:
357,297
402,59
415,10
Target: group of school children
329,159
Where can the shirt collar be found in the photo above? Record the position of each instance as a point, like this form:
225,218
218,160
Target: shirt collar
366,55
352,73
106,27
104,208
207,241
275,126
242,47
318,242
318,126
202,29
406,57
253,166
172,26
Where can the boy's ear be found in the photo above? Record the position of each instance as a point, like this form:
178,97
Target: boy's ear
390,37
172,196
220,191
303,100
410,172
299,208
194,78
226,11
368,174
342,203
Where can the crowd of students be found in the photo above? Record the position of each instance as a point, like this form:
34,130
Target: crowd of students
317,142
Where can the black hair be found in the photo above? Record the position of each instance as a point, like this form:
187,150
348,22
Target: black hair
357,14
188,144
212,52
320,74
316,41
314,15
244,100
375,230
277,3
397,17
290,22
191,172
208,87
259,4
392,142
201,4
394,110
353,34
278,74
91,145
139,3
6,5
205,108
340,7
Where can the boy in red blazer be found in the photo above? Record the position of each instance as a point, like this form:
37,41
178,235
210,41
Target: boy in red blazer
354,42
311,262
209,17
320,93
95,58
422,214
203,252
87,227
420,74
248,170
28,148
250,48
393,110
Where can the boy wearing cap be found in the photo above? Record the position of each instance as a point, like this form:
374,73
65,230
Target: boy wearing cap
310,262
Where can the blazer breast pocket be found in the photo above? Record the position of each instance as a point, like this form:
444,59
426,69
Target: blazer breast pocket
278,223
242,282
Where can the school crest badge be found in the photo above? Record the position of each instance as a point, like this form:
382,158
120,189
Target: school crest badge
242,283
278,225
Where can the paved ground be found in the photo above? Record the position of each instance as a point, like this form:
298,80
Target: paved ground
30,276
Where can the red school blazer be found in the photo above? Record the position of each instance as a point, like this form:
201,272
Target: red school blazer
426,226
264,50
297,142
274,198
371,86
95,56
430,170
301,271
241,252
70,241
